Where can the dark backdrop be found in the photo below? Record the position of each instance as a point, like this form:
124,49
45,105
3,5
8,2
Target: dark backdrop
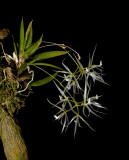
79,27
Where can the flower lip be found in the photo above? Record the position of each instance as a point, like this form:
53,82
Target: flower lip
89,100
97,96
100,63
56,117
87,70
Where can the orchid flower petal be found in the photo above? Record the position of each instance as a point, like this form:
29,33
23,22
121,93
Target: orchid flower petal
86,123
62,92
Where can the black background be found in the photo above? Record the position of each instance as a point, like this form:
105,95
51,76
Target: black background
79,26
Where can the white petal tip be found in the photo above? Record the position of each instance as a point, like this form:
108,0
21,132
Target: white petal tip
97,97
100,63
56,117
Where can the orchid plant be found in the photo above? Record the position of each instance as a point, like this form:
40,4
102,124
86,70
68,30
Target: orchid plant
17,79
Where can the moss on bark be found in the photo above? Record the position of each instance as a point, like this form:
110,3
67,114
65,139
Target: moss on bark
10,103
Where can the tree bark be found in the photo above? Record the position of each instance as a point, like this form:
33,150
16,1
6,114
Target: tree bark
13,143
10,103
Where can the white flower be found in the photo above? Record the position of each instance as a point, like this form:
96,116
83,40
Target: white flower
71,79
76,119
91,70
93,107
70,110
61,115
96,77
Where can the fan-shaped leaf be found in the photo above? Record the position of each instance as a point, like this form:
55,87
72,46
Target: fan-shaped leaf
43,81
21,43
47,65
15,47
28,36
47,55
32,49
22,68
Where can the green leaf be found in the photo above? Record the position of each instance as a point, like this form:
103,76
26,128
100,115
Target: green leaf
28,36
47,55
22,68
14,44
46,64
43,81
21,43
32,49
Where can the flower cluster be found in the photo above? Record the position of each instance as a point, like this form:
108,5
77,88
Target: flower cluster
74,85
